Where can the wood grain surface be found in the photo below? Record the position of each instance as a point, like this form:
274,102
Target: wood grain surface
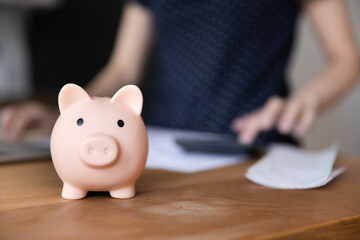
216,204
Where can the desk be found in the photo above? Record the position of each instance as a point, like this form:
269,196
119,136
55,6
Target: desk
217,204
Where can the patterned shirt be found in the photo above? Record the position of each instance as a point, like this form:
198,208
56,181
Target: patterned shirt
217,60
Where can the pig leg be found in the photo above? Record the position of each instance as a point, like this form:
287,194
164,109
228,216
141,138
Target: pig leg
71,192
125,192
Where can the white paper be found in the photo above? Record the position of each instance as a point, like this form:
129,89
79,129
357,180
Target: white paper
165,154
288,167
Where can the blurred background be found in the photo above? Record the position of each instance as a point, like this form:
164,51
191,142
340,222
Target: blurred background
47,43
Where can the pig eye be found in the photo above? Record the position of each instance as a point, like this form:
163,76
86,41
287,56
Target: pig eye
120,123
80,121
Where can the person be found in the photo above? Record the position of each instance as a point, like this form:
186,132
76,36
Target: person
221,67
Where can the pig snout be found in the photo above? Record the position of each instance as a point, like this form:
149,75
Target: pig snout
99,150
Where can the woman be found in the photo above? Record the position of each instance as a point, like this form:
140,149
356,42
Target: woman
220,63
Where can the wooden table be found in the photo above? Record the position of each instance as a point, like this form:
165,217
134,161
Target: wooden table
217,204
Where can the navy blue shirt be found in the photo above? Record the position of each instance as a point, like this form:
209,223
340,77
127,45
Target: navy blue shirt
217,60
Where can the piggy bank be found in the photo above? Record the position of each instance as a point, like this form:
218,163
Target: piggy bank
99,143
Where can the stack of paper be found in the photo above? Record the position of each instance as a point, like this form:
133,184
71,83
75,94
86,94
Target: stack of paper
288,167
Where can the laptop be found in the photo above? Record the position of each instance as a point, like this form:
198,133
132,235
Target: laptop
29,148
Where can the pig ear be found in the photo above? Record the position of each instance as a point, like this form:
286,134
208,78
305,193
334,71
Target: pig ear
70,94
131,96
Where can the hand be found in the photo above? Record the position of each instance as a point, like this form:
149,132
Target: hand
296,115
16,119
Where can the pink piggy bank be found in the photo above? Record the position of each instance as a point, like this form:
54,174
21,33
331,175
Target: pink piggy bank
99,144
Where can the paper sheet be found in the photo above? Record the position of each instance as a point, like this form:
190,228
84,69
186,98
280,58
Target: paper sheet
165,154
288,167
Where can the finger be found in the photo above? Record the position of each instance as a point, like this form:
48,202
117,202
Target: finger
21,120
249,133
17,128
271,112
7,118
237,124
289,117
41,116
262,120
305,123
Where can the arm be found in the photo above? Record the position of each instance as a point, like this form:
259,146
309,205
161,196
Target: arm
297,113
331,22
124,67
131,47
